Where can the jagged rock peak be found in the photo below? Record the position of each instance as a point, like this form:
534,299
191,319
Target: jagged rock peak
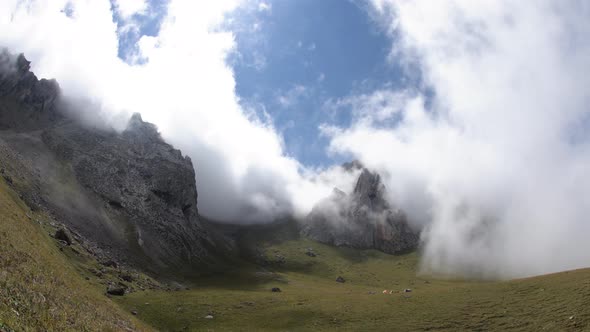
137,125
361,220
368,184
18,85
353,165
16,77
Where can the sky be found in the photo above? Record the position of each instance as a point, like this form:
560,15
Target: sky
475,113
291,61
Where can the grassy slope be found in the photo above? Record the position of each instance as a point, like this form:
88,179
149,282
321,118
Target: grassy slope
40,290
312,300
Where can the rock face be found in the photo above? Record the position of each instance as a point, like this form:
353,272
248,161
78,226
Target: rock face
147,188
132,196
20,87
362,220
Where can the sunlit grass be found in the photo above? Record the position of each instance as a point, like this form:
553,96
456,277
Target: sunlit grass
312,300
40,290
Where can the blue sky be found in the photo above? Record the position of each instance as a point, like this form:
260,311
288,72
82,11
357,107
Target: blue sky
291,58
305,53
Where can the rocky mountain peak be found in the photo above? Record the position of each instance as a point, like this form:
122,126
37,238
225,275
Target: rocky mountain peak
361,220
18,85
130,194
369,190
137,125
353,165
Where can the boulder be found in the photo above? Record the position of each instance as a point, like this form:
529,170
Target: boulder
116,290
63,235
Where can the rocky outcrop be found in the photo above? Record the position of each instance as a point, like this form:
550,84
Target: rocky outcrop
129,194
19,87
147,189
362,220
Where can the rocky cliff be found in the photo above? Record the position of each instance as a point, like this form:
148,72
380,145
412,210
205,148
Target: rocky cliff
362,220
128,195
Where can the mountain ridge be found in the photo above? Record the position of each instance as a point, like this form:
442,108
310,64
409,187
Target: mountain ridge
129,195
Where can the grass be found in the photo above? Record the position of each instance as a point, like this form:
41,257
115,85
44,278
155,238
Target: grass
40,288
311,300
45,286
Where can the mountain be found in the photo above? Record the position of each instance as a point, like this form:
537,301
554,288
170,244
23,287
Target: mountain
363,219
128,196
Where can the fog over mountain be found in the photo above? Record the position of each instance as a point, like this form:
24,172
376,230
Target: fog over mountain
496,161
489,152
179,80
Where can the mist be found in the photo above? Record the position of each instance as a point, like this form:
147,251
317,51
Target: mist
488,153
178,79
494,163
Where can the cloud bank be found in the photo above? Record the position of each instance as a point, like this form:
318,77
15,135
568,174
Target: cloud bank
494,159
489,153
183,84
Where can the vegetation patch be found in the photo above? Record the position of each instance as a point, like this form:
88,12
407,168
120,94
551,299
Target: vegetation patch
40,289
380,293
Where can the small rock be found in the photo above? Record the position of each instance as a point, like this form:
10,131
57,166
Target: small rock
340,280
276,290
62,235
126,277
117,290
209,317
280,259
110,263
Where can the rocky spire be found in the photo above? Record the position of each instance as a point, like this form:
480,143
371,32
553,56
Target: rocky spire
361,220
37,99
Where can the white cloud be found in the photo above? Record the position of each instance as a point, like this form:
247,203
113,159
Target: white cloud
128,8
495,164
185,87
371,108
263,6
292,96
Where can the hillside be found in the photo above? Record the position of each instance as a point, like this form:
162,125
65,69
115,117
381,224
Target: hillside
129,196
43,287
40,290
312,300
100,231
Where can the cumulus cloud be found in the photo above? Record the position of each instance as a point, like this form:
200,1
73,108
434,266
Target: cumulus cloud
494,159
184,85
128,8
